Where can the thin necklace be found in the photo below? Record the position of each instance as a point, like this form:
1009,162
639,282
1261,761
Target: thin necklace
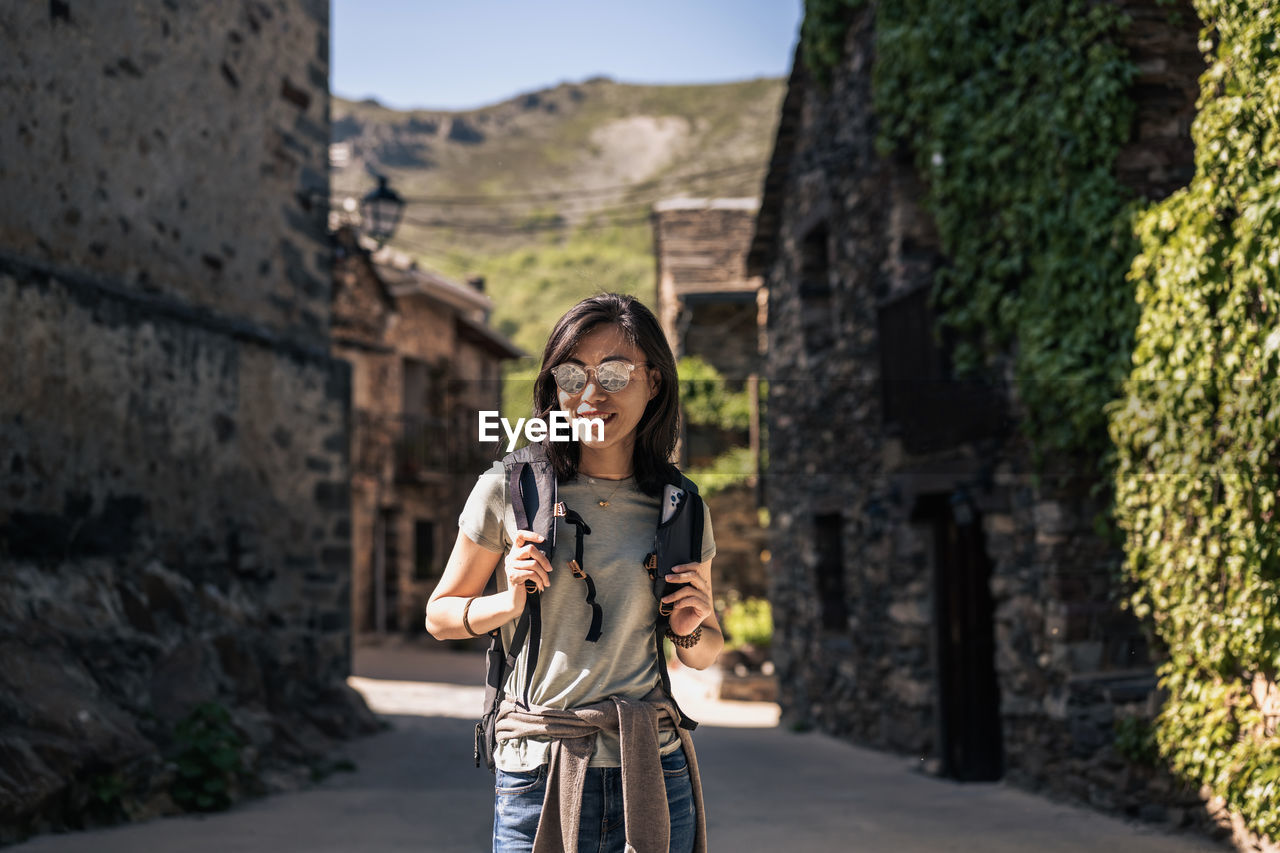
604,502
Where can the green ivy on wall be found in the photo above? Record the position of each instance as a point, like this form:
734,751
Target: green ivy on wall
1014,113
822,34
1197,431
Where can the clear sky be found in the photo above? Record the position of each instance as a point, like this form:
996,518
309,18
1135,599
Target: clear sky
461,54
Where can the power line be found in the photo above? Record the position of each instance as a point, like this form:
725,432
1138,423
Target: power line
426,253
516,227
586,192
511,227
634,212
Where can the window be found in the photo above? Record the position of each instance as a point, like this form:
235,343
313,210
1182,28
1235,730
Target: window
816,320
423,446
912,364
828,531
424,550
923,403
423,390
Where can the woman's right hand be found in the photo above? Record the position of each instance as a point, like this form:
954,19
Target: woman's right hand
526,562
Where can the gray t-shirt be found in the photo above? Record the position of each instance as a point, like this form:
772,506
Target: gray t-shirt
572,672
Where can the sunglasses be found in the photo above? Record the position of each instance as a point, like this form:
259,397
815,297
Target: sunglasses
612,376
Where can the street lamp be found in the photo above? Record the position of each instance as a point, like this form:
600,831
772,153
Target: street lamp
380,211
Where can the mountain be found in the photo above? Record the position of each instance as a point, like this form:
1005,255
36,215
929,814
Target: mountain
594,136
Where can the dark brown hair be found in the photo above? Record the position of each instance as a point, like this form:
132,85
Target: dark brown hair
656,431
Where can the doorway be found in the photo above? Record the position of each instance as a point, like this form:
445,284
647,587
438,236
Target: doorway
970,744
384,591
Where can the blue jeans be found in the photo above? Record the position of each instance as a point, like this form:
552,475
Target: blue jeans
518,804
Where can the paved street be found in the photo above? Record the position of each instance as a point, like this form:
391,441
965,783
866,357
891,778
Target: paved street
766,788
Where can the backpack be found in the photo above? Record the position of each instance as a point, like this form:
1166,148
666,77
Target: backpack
531,487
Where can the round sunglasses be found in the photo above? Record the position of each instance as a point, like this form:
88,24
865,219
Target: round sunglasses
612,376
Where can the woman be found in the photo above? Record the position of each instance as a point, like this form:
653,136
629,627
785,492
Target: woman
606,359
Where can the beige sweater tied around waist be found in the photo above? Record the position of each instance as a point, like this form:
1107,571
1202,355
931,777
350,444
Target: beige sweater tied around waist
644,792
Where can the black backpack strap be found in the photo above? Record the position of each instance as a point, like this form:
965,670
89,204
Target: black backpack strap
685,721
578,567
697,518
680,541
495,677
677,540
526,504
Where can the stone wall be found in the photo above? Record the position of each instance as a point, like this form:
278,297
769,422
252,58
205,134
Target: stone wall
824,443
130,434
864,650
179,150
174,519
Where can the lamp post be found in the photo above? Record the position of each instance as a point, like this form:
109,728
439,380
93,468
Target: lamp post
380,211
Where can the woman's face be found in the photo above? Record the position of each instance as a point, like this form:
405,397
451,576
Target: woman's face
620,410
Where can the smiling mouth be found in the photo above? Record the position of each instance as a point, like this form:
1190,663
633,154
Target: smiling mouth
604,416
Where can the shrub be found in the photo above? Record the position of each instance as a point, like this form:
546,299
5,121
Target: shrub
748,621
207,753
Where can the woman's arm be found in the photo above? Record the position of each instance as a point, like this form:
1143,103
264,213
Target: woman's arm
465,576
694,609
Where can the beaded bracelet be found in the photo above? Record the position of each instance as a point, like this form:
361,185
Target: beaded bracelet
685,641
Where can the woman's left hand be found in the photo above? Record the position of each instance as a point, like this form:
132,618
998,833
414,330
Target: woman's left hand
693,600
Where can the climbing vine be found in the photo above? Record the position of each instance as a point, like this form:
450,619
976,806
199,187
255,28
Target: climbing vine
1197,431
1014,113
822,34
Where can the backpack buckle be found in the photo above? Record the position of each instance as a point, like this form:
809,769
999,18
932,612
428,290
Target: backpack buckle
559,510
576,569
651,565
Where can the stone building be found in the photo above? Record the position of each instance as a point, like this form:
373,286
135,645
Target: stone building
424,364
710,308
932,594
175,513
707,304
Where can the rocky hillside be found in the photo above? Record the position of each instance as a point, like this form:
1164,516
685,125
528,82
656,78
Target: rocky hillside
489,179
